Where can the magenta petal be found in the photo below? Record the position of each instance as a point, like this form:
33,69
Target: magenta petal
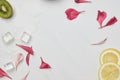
101,17
101,42
25,77
19,59
27,59
112,21
3,73
72,13
44,65
26,48
82,1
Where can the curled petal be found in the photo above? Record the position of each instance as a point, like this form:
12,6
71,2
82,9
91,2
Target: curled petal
44,65
27,59
25,77
112,21
82,1
101,42
3,73
72,13
19,59
26,48
101,17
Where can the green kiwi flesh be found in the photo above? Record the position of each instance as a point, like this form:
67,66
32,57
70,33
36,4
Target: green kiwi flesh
5,9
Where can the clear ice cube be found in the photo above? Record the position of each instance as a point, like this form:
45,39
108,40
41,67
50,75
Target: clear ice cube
26,37
9,66
7,37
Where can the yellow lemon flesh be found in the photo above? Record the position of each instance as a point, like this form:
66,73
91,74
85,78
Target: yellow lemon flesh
110,55
109,71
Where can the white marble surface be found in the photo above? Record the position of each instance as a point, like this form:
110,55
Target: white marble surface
65,45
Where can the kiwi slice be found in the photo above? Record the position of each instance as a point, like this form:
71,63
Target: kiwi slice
5,9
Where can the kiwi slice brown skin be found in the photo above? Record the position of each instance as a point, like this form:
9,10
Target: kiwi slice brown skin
7,12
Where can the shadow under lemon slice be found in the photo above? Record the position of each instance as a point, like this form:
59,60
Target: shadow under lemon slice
110,55
109,71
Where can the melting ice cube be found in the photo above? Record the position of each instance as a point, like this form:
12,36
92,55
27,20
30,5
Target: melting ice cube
9,66
7,37
26,37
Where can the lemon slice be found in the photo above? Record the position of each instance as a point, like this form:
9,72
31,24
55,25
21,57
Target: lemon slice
110,55
109,71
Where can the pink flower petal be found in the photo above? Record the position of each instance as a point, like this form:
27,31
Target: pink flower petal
19,59
3,73
101,17
112,21
72,13
101,42
44,65
82,1
25,77
27,59
26,48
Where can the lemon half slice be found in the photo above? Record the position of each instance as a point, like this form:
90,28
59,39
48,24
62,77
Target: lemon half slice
109,71
110,55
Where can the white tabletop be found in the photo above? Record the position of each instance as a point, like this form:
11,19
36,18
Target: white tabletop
64,44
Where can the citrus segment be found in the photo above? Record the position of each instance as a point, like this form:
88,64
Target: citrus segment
109,71
110,55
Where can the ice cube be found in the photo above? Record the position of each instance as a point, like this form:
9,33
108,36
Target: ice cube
26,37
8,37
9,66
